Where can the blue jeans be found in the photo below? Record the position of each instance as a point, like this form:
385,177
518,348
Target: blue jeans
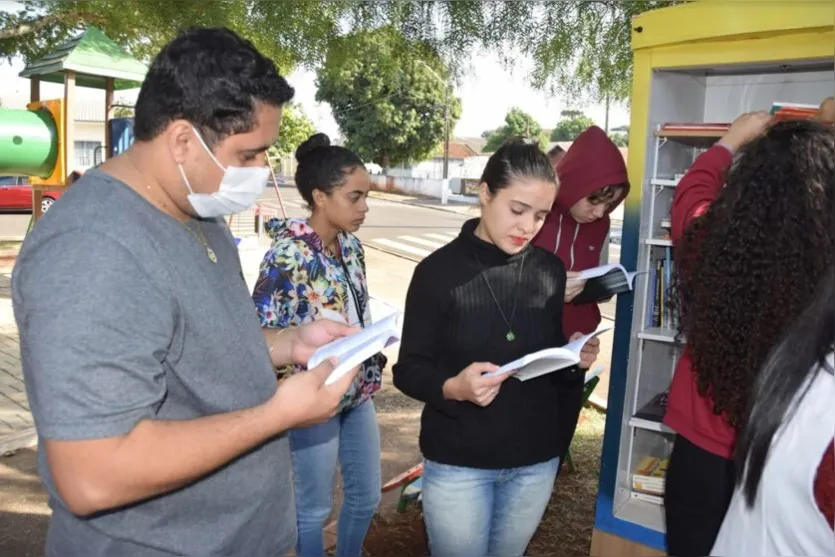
472,512
353,439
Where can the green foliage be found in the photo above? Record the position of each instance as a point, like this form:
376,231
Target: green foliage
295,128
517,123
387,95
573,123
288,31
620,139
579,47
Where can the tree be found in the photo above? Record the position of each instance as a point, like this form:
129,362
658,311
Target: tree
387,94
288,32
517,123
578,47
573,123
620,139
295,128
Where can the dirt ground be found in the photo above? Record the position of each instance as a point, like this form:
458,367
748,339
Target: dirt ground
24,514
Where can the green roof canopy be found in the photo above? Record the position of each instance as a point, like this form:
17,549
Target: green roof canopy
93,57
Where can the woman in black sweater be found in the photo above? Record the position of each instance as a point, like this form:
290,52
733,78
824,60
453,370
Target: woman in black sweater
492,444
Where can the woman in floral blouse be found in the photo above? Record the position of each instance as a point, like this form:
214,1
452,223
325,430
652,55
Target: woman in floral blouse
315,269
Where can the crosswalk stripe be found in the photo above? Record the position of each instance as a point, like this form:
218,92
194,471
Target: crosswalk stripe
422,241
400,246
445,238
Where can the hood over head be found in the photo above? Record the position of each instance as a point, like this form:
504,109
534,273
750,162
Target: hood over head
592,162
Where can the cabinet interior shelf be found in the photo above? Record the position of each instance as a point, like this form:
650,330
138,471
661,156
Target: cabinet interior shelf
649,425
664,182
692,138
659,334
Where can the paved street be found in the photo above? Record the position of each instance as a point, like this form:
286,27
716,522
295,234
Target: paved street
398,228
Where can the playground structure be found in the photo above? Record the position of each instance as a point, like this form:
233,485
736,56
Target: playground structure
38,142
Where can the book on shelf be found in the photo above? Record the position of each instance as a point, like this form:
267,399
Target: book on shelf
603,282
655,409
661,275
648,477
354,349
695,127
548,360
793,111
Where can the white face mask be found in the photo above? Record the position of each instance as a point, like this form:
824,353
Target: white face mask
239,189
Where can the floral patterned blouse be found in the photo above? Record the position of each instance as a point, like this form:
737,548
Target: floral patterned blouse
299,283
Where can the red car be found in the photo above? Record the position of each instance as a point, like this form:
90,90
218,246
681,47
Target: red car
16,195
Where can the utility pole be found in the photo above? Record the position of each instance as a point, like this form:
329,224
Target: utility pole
446,131
607,114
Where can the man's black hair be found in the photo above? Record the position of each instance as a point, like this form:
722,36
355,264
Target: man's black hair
211,77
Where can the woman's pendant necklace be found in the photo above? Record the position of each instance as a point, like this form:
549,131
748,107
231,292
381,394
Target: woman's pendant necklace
510,336
210,252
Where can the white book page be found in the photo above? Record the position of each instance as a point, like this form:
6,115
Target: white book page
599,271
355,349
543,362
548,360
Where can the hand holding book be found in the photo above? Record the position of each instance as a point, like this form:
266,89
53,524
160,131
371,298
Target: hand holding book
477,383
574,285
589,351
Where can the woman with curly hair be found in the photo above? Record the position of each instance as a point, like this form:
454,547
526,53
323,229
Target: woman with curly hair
749,257
784,503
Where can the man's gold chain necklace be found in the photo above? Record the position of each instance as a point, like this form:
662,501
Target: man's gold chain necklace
200,237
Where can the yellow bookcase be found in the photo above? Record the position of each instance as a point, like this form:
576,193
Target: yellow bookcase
706,61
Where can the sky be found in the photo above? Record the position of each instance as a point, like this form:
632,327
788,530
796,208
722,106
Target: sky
487,92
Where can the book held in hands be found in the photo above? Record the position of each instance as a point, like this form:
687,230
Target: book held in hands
603,282
548,360
354,349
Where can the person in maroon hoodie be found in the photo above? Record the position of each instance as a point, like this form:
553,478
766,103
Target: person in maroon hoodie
748,258
593,182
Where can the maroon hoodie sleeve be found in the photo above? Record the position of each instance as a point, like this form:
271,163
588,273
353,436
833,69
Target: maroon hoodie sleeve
699,187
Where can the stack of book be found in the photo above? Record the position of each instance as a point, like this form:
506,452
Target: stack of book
696,128
648,479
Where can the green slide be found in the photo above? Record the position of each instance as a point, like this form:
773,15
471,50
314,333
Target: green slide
28,142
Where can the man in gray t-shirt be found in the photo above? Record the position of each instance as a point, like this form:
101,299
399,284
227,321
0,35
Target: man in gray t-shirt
151,382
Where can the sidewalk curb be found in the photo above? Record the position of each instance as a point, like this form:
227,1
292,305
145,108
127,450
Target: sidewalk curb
23,439
374,194
390,252
598,403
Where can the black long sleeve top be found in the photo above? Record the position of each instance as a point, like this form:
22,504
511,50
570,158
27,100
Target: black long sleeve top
451,320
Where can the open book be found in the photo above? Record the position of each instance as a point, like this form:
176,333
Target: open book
353,350
548,360
604,282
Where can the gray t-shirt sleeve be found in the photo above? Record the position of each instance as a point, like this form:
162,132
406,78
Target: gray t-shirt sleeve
95,326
